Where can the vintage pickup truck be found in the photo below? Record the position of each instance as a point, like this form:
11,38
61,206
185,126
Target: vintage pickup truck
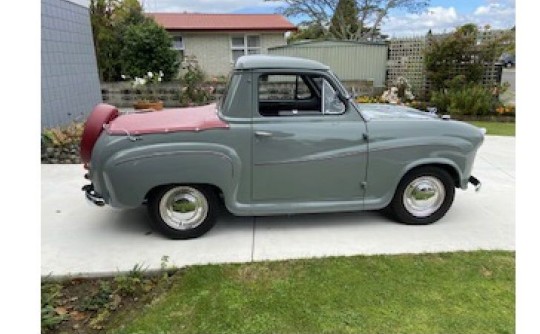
285,138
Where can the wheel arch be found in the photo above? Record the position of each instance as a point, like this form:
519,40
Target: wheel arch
449,167
216,189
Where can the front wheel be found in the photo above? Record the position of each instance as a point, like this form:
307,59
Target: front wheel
423,196
183,211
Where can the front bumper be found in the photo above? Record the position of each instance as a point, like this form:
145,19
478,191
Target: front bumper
92,196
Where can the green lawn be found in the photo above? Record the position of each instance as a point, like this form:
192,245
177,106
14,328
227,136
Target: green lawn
464,292
497,128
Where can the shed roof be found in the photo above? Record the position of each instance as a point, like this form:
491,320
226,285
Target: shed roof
227,22
269,61
328,43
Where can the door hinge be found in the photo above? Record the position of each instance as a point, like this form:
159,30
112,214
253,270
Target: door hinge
363,185
365,136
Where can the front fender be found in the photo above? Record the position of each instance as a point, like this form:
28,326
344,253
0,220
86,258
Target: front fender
131,173
391,159
433,161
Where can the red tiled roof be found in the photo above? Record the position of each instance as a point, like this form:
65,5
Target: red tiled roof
211,22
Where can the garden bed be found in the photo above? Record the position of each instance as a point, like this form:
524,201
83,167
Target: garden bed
68,154
60,145
490,118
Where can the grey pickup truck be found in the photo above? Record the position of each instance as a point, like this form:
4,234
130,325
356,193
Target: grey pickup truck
285,138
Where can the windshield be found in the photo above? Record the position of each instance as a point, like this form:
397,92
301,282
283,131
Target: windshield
340,86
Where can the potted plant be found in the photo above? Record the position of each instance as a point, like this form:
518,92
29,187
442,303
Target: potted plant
148,87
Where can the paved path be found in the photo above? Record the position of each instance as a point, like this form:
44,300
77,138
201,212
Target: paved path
81,239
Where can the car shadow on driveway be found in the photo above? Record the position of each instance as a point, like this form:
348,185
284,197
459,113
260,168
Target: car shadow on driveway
137,221
131,221
324,220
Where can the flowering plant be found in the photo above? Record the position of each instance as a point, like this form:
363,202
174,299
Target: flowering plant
367,99
194,91
147,84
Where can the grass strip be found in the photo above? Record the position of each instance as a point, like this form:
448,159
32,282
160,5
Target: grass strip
463,292
496,128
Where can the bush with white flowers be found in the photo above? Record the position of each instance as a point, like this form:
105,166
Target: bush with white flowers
147,84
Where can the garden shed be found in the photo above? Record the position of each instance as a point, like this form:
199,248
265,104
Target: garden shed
352,61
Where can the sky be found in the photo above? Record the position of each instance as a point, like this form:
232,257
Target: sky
441,16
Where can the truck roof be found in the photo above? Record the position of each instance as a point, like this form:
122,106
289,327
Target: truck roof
271,61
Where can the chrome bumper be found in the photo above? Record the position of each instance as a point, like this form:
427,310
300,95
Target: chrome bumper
475,182
92,195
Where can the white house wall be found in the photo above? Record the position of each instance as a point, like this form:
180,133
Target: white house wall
213,50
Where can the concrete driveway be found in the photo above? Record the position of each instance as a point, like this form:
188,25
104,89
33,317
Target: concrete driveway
80,239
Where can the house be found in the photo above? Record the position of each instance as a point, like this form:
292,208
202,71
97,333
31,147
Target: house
69,73
218,40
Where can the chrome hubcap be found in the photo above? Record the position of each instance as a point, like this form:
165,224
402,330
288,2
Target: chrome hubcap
423,196
183,208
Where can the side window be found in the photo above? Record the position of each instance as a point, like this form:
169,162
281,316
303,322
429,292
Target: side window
297,95
283,87
302,91
332,105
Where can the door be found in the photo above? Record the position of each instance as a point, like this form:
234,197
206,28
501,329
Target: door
308,146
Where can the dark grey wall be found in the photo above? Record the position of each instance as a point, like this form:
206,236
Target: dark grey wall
69,76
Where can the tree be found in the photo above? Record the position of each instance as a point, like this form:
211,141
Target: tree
344,23
101,13
129,12
455,66
313,31
463,52
111,20
371,13
147,47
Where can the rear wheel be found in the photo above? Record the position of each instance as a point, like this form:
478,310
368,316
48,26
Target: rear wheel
423,196
183,211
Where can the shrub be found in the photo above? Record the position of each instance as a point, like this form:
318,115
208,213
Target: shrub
420,105
148,48
194,91
469,99
63,136
473,100
440,100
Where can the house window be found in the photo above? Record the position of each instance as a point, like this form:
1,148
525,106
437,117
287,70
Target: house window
178,45
245,45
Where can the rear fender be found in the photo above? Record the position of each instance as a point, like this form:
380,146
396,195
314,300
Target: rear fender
130,174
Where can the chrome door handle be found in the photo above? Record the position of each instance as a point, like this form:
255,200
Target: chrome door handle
263,134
